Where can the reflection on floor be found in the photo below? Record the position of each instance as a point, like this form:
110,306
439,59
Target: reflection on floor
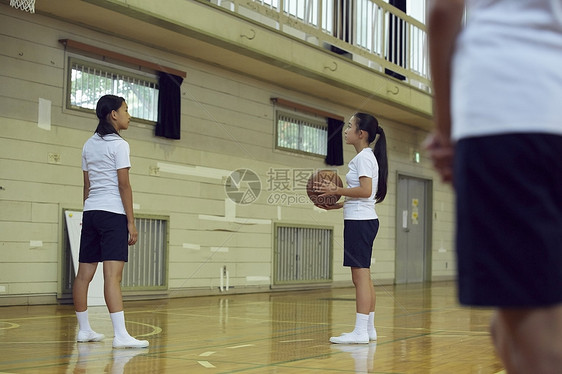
421,329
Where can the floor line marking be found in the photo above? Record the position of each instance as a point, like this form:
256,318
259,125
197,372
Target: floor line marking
155,329
294,341
240,346
10,326
206,364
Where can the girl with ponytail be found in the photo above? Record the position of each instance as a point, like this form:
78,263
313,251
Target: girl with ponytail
108,223
366,185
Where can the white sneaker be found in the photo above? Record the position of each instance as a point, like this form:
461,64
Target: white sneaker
372,334
129,342
89,336
350,338
354,349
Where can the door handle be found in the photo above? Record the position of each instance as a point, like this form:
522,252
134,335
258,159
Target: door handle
405,221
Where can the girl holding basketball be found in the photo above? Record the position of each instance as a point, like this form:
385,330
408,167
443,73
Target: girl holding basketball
108,224
367,185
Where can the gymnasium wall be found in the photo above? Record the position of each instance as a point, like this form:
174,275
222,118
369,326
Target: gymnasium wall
227,124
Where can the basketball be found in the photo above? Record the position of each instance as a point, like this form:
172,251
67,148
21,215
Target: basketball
320,176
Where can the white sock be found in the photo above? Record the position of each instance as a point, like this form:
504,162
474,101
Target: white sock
83,322
371,324
118,320
361,321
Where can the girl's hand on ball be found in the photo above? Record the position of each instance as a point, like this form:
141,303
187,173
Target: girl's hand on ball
330,207
326,187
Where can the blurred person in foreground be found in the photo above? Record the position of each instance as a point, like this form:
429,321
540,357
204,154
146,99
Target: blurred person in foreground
498,133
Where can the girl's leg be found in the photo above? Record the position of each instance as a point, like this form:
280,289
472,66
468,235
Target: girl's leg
373,294
82,281
80,287
371,321
112,275
363,302
365,296
364,290
371,325
529,340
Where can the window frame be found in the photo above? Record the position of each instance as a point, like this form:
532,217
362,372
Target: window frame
111,67
300,116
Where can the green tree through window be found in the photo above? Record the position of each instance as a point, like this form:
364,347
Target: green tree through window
88,82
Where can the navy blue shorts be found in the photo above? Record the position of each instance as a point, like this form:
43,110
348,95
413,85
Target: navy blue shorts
104,237
509,220
358,238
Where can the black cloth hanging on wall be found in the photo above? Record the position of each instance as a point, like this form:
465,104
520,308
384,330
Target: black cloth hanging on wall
169,106
396,40
334,155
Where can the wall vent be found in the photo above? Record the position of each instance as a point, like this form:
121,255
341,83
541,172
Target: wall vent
302,255
147,268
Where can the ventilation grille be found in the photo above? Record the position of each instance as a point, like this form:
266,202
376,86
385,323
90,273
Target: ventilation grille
302,255
147,266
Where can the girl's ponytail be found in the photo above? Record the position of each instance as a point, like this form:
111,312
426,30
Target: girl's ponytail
370,124
379,151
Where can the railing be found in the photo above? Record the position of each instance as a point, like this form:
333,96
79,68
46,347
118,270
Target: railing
370,32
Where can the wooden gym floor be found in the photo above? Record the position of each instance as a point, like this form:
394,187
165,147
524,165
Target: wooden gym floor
421,329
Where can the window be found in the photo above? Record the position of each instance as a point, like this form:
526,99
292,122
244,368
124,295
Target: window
302,134
88,81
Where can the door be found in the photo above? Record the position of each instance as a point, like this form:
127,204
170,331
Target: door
413,255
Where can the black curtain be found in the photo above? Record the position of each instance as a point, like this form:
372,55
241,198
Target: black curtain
396,40
343,20
334,156
169,106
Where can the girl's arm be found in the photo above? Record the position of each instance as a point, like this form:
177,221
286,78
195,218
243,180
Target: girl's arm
329,188
86,191
126,193
364,190
444,25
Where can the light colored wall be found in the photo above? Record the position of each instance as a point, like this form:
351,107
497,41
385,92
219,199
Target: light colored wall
227,124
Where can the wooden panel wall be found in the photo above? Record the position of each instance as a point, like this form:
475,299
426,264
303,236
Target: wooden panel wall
227,124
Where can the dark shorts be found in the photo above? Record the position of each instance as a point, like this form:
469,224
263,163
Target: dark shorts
358,238
509,220
104,237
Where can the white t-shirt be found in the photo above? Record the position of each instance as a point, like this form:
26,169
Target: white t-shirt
364,164
507,69
101,158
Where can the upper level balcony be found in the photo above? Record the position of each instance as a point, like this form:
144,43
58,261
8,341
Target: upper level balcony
370,32
365,54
